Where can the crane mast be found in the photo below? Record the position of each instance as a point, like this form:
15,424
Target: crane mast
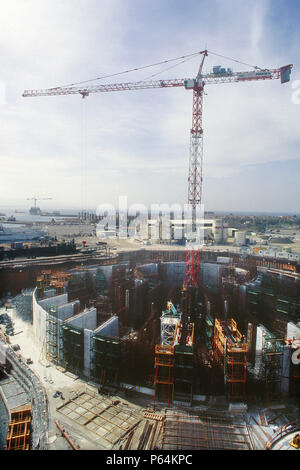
195,176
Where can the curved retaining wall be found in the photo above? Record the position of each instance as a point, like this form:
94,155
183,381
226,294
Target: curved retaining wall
37,395
4,416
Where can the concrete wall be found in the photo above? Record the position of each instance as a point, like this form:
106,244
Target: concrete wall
49,293
286,366
210,274
293,330
175,272
39,313
260,331
38,319
87,352
67,310
106,271
150,268
86,319
40,308
55,301
3,350
109,328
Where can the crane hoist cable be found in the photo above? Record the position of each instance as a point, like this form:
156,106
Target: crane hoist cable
84,155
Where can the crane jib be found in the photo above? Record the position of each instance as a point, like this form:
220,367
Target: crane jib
226,76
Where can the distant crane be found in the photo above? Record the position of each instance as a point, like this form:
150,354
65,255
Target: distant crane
36,210
195,178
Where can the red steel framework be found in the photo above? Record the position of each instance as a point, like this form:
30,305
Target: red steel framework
192,268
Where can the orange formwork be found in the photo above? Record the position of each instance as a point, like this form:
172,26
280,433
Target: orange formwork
231,350
18,437
164,364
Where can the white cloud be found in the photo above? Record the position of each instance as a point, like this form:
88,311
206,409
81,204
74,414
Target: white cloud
135,140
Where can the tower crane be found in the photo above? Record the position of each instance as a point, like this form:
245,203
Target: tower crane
36,210
218,75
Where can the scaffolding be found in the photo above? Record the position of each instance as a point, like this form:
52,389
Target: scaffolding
169,325
18,437
230,350
106,359
272,365
73,347
42,282
47,279
52,335
174,357
209,330
183,372
164,365
59,286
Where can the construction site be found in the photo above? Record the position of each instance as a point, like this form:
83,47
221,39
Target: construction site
172,349
113,342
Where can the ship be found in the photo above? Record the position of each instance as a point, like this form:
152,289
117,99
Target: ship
19,234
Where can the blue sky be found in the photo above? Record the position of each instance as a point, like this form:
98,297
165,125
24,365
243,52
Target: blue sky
88,152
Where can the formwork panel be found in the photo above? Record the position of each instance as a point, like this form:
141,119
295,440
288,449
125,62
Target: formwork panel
88,415
101,432
88,405
66,411
91,426
81,420
102,417
73,415
94,401
80,410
